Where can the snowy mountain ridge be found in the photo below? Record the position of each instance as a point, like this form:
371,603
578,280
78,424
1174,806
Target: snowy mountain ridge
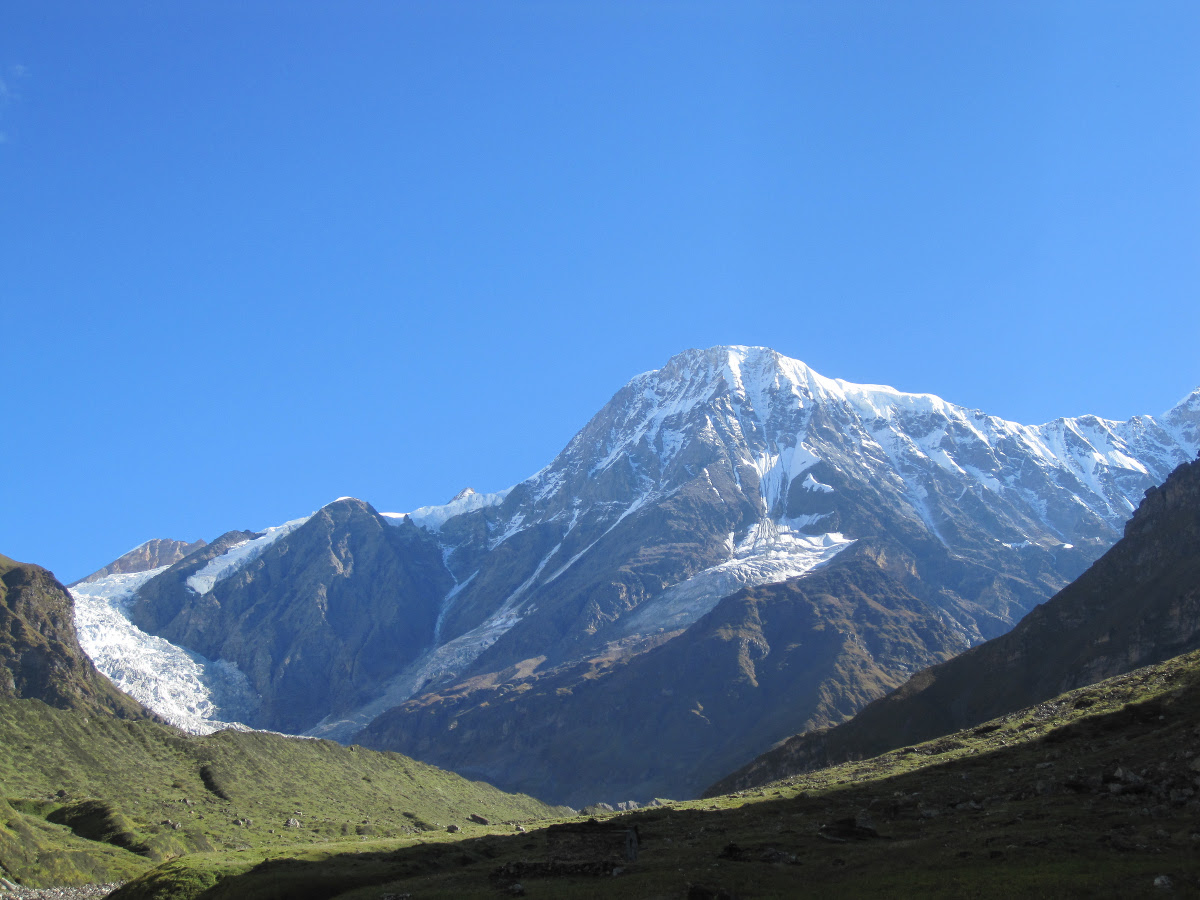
772,396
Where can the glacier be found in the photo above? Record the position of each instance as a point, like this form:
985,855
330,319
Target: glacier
191,692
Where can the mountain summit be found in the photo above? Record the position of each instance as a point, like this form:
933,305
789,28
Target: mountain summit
733,539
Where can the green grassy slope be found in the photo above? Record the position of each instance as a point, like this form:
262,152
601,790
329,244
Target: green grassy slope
162,794
1090,794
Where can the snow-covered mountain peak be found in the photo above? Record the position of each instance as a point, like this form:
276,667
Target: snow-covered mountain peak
1184,418
433,517
762,377
765,419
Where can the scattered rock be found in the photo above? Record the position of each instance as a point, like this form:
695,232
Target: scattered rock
292,823
453,829
764,853
1164,882
76,892
478,819
858,828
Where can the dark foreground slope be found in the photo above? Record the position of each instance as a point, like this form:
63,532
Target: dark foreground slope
40,656
1089,795
1138,604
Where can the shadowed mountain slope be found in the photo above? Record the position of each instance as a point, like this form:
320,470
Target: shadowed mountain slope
667,720
1138,604
317,620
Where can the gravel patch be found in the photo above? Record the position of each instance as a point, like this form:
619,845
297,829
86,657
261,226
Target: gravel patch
10,891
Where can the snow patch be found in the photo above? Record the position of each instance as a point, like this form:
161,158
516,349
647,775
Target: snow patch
239,556
771,552
811,484
434,517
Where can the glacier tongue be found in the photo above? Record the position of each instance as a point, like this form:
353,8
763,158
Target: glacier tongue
191,692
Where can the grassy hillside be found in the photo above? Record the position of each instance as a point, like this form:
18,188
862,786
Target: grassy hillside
91,798
1091,794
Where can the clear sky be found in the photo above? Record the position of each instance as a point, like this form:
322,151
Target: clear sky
255,256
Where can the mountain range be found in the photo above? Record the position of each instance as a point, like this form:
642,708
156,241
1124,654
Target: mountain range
733,550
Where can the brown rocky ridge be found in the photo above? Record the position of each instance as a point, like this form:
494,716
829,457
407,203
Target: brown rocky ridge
40,656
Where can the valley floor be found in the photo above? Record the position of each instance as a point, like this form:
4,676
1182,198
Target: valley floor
1093,794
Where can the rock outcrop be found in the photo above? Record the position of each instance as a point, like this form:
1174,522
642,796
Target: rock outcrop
40,656
152,554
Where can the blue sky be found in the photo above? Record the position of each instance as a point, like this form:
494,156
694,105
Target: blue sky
254,256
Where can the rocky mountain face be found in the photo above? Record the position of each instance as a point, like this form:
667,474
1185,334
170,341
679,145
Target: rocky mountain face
653,566
40,656
316,617
667,716
152,554
1138,604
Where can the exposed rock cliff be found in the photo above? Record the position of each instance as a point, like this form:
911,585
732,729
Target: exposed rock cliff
317,620
152,554
40,656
